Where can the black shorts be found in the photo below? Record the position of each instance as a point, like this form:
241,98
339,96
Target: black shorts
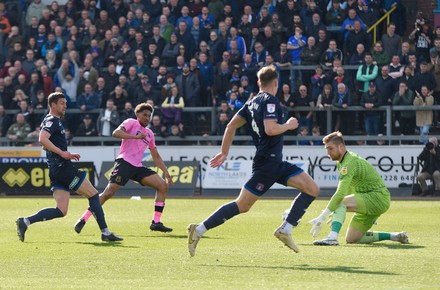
124,171
66,177
267,171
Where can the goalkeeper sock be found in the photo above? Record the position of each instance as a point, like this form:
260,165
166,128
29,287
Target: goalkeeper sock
337,221
221,215
371,237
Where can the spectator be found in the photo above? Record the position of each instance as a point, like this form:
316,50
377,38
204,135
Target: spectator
331,54
108,119
358,58
386,86
348,25
128,112
104,23
324,103
270,42
430,158
405,97
69,82
87,128
391,41
295,44
171,108
18,131
316,26
303,132
396,68
424,78
4,121
404,53
341,77
206,77
342,100
177,131
372,119
380,57
287,100
35,9
317,83
88,100
422,38
355,36
233,102
423,117
310,55
366,73
302,99
282,60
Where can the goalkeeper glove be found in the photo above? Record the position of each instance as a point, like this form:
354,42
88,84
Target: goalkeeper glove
318,222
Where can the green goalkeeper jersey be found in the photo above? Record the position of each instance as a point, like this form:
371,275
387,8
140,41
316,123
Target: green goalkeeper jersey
356,176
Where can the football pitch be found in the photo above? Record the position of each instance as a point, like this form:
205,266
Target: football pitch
241,254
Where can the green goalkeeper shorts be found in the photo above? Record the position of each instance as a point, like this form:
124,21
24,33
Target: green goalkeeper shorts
370,206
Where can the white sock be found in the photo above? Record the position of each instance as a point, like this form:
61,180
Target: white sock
394,236
333,235
286,228
201,229
105,232
27,222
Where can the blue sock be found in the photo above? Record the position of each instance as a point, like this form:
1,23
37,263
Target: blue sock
45,214
96,209
221,215
299,206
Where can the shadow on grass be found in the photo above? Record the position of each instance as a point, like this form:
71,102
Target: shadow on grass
107,244
166,235
342,269
389,246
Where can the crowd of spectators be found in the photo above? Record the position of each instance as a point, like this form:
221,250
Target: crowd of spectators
107,56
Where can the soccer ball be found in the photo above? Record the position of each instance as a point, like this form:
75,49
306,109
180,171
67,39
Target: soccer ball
285,214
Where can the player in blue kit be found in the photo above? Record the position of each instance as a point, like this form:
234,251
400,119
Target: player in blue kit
263,115
64,176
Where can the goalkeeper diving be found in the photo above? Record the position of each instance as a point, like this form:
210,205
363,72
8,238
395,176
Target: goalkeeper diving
360,190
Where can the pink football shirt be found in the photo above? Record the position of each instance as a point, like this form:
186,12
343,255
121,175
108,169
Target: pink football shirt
132,150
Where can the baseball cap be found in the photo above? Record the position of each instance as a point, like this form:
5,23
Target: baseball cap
372,84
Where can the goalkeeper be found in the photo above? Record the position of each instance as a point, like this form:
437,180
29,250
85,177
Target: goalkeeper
360,190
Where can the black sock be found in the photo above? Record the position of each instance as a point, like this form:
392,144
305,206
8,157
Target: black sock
96,209
299,206
221,215
45,214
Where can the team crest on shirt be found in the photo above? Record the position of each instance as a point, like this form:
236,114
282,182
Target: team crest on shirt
49,124
270,108
344,170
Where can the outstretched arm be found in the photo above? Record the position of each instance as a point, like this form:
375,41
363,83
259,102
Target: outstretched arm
159,162
236,122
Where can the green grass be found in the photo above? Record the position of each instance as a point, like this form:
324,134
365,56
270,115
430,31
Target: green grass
241,254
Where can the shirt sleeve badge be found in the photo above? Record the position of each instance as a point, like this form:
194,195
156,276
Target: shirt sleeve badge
270,108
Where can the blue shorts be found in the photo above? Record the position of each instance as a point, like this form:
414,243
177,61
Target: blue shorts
123,171
267,171
66,177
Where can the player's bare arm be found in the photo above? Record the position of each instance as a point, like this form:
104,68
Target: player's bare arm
157,159
121,133
48,145
273,128
236,122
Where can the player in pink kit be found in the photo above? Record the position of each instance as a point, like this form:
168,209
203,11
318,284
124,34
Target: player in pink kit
128,165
